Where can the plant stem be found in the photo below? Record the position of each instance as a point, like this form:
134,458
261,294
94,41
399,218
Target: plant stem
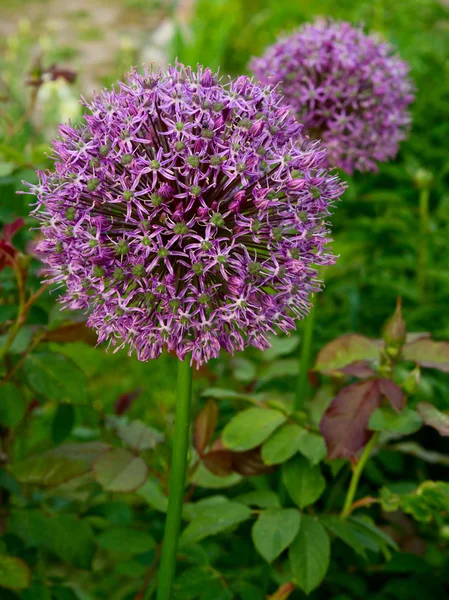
24,308
357,472
304,359
177,480
423,245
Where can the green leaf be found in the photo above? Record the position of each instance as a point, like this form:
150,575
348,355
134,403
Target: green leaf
282,445
222,394
37,592
274,531
63,422
251,427
248,591
345,350
59,465
309,555
434,417
15,574
280,346
304,482
345,532
380,540
428,503
312,446
386,419
205,479
12,405
428,353
139,436
213,520
405,562
120,471
243,370
21,341
193,510
64,593
280,369
55,376
215,590
260,498
418,451
125,539
133,568
152,493
65,535
192,582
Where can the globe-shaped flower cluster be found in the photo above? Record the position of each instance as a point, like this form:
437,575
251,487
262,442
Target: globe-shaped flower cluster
348,88
186,213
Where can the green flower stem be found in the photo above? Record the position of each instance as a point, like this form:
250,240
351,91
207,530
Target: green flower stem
357,472
424,241
177,480
304,359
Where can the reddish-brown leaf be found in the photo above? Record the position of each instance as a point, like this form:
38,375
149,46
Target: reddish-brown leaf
250,463
219,462
72,332
125,401
392,393
344,424
428,353
7,250
205,425
434,417
346,350
10,229
360,369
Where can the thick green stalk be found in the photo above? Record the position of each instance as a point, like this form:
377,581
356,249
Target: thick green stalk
423,242
357,472
304,359
177,480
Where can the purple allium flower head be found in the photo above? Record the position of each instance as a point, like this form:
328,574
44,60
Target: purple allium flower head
186,213
346,87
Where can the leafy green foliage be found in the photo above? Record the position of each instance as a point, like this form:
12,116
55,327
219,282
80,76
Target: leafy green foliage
309,555
14,573
12,407
304,482
283,444
120,471
346,350
275,530
214,519
386,419
65,535
55,376
251,427
429,502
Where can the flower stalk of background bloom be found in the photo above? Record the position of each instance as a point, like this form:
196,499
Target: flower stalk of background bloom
423,180
350,90
186,213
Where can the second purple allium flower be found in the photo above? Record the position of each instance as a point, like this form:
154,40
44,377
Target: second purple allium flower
348,88
186,213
